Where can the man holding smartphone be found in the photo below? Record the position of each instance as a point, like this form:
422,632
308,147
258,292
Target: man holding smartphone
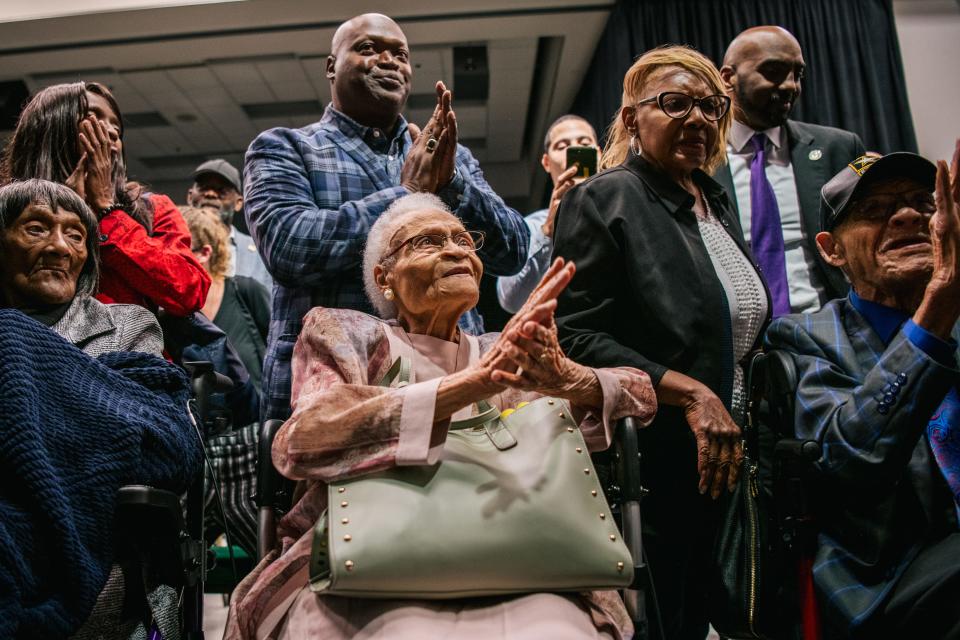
570,155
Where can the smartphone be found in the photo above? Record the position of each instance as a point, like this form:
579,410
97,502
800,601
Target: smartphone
585,158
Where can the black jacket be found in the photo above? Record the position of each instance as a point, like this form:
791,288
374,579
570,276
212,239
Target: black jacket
817,154
646,293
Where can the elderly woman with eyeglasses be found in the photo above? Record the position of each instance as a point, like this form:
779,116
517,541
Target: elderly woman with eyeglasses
666,284
422,273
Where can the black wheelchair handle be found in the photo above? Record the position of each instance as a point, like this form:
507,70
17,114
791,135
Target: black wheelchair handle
202,372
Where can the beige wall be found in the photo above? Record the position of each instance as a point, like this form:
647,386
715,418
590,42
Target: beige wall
929,32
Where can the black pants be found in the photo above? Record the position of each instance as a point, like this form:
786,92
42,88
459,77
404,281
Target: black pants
925,602
679,526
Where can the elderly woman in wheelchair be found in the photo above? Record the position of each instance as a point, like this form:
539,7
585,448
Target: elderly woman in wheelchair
50,246
87,406
374,459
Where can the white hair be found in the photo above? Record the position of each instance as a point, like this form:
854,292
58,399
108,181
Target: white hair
378,243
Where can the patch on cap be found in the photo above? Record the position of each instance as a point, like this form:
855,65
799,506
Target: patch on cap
861,164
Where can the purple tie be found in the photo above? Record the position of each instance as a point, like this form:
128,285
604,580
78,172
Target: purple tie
766,234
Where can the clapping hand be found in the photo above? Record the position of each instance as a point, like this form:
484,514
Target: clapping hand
537,310
940,306
945,224
430,164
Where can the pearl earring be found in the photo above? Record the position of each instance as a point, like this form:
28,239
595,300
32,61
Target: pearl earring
388,294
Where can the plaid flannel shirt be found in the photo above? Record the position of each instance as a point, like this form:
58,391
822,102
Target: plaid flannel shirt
311,196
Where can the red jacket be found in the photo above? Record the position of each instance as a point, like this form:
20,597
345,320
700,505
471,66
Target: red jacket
152,271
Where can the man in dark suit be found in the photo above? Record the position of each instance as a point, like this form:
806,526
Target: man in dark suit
878,388
777,166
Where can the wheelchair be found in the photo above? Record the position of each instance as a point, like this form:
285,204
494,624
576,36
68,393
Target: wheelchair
159,542
786,465
275,493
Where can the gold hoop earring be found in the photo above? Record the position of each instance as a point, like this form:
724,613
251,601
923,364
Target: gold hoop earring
388,294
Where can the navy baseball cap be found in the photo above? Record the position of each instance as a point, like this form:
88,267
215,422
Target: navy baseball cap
221,168
855,178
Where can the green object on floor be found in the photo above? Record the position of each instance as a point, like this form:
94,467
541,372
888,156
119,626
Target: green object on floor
220,579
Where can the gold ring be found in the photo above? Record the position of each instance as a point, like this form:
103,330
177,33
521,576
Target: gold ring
432,145
544,354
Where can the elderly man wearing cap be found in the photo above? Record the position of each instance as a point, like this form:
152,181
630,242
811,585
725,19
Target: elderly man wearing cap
216,183
878,388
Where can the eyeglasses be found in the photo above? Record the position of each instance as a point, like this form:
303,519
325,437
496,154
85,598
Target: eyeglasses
434,242
679,105
880,208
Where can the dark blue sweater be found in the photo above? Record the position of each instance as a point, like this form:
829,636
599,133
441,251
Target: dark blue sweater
73,430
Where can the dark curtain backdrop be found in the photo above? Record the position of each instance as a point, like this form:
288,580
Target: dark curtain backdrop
854,76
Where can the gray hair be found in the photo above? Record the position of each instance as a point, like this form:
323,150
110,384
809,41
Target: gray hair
378,243
16,196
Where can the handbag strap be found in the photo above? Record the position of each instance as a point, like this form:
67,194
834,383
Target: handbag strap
400,369
487,415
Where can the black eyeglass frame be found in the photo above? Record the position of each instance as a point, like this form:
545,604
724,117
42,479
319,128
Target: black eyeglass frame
476,236
694,102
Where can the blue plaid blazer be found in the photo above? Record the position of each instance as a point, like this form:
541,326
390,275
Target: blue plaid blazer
878,493
310,198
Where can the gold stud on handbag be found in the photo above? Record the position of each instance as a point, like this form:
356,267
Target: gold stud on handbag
513,506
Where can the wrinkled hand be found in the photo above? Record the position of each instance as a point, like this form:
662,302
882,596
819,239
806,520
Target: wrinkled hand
565,182
719,450
544,368
95,145
431,170
78,179
945,224
940,307
537,310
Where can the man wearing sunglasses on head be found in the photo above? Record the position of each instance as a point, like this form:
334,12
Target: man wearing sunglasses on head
777,166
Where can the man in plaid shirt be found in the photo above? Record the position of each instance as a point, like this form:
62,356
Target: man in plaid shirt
312,194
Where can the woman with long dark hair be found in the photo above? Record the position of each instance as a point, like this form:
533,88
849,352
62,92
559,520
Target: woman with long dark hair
73,134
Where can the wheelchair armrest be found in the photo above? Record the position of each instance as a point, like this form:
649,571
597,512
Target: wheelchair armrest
780,383
159,506
269,481
799,451
626,455
793,464
150,523
273,490
628,493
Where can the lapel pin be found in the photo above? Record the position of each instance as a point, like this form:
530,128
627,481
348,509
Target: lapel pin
251,247
816,154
